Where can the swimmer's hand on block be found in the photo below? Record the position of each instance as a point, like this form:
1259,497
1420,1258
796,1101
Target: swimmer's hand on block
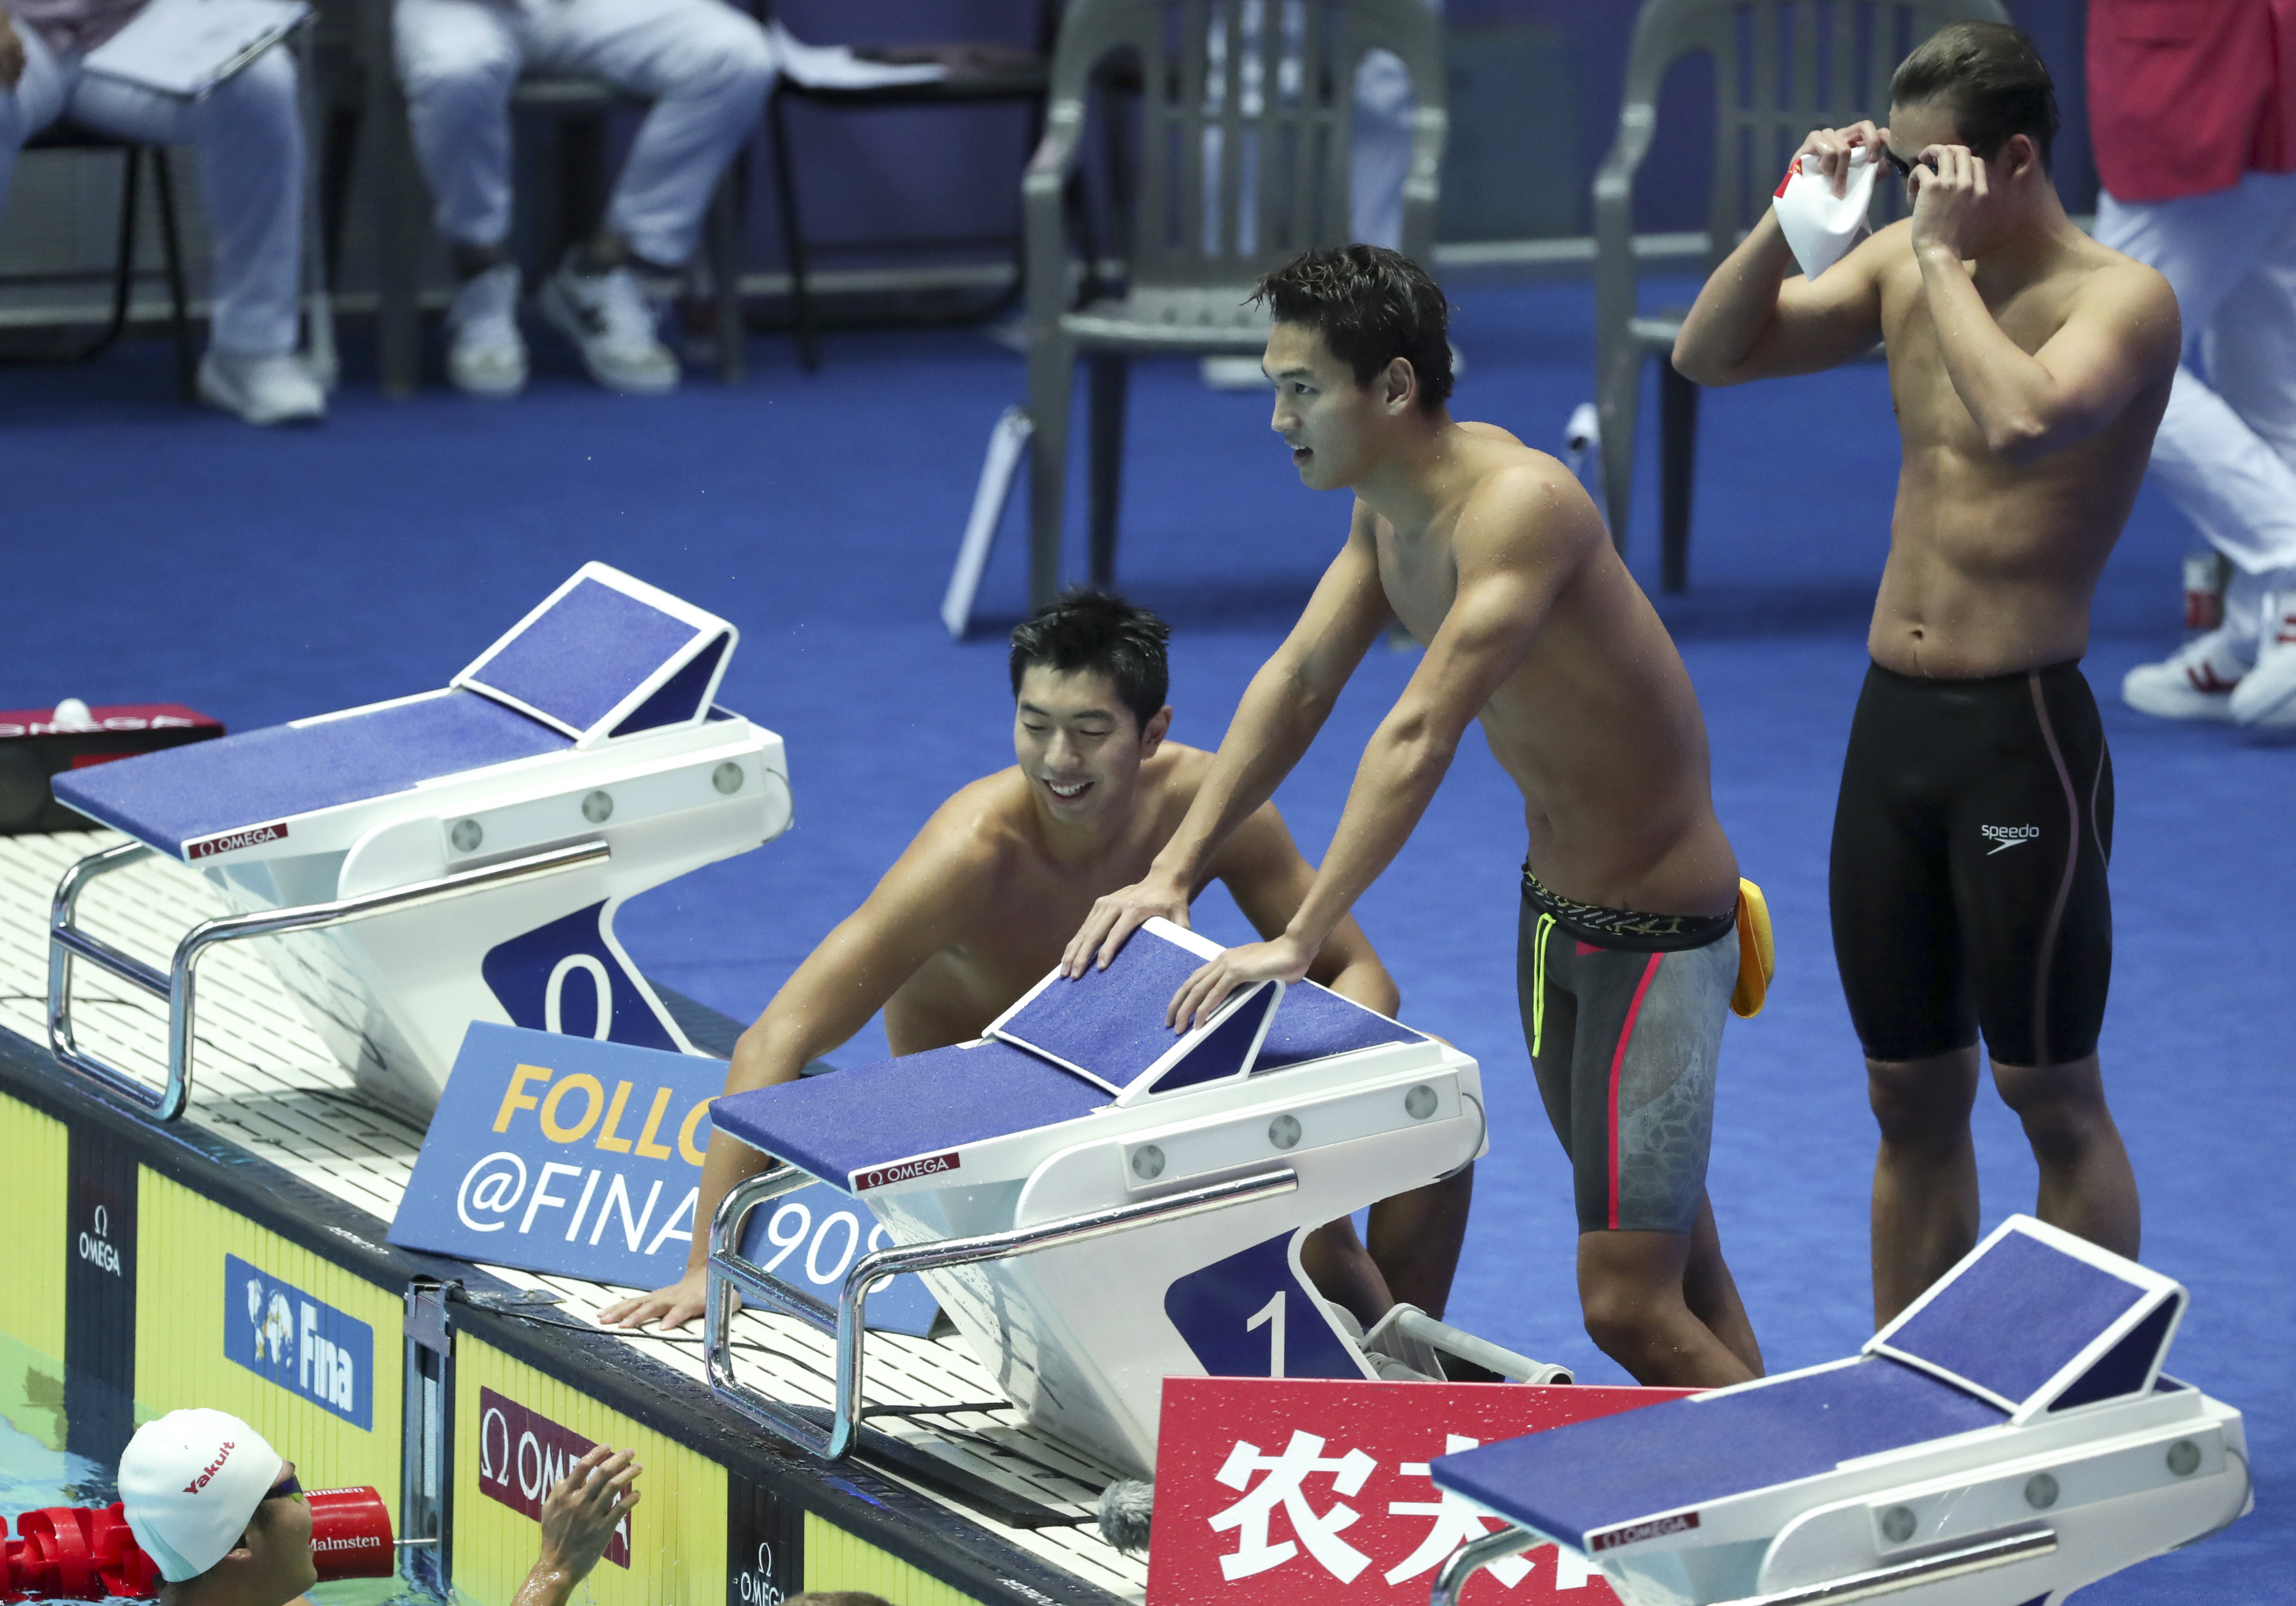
1819,225
1757,952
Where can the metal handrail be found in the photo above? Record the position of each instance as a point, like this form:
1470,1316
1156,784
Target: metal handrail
731,1273
1932,1568
67,942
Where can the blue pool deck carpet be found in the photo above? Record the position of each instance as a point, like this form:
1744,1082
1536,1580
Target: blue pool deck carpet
156,553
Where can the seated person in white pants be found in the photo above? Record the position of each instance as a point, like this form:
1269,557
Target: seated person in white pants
705,66
249,136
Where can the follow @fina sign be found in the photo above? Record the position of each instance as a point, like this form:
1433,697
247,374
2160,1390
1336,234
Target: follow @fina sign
582,1158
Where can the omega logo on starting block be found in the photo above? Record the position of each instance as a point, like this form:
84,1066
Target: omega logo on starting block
231,841
931,1165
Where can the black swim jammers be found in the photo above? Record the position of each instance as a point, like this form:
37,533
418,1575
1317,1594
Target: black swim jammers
1623,1012
1968,879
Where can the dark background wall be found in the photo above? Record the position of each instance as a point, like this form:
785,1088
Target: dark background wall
1535,100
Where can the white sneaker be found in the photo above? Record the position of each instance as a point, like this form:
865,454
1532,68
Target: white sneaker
2264,704
276,390
2194,684
608,317
487,355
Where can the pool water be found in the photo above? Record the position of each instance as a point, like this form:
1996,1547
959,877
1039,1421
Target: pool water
37,1472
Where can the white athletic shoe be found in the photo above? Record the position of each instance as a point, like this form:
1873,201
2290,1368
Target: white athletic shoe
2264,703
486,355
2194,684
608,317
276,390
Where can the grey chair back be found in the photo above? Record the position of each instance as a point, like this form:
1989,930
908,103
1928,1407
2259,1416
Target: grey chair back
1781,68
1246,117
1239,161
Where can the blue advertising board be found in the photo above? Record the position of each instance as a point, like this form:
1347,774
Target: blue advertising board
583,1158
304,1345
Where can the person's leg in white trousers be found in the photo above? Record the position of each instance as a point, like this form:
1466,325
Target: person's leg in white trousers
247,135
2227,448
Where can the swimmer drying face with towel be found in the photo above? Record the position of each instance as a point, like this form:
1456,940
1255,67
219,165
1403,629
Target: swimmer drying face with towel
1492,555
975,911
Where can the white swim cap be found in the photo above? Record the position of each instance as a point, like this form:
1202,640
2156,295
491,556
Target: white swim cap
191,1482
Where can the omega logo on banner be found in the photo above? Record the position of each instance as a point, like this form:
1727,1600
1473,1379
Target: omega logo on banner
522,1453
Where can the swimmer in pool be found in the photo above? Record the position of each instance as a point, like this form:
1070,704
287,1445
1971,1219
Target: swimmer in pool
977,910
2029,366
223,1514
1492,555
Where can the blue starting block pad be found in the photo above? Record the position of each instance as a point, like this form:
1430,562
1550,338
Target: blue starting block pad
592,721
2006,1439
1080,1101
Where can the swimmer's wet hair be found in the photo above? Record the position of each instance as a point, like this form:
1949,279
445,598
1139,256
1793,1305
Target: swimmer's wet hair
1096,630
1994,80
1371,305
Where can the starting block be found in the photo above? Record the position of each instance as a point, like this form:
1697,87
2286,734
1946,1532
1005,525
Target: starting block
998,1164
2007,1439
452,857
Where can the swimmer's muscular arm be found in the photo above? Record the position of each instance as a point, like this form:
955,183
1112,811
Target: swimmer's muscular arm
1752,321
916,910
2121,334
1520,539
1264,871
1283,708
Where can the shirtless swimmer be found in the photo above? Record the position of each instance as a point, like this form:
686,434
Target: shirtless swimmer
2027,365
1491,554
976,910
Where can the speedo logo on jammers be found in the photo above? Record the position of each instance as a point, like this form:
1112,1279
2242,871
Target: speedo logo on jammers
1657,1527
881,1176
2008,836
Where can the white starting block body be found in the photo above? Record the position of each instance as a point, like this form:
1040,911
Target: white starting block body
2007,1439
591,722
1081,1100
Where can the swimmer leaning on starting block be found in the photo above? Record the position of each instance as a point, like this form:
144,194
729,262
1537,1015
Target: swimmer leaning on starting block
976,910
1492,555
2029,366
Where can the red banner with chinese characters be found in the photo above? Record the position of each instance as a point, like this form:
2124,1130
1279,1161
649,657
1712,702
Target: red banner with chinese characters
1283,1491
522,1453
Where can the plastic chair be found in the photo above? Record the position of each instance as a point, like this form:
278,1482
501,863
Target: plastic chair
67,135
1194,246
1781,68
978,75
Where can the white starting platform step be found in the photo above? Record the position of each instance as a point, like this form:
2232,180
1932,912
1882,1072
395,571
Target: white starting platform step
451,857
2007,1439
1005,1169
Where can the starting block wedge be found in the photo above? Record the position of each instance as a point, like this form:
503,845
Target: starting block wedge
452,857
1205,1158
2008,1439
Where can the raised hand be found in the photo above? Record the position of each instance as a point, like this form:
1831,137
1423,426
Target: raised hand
1948,186
1832,146
579,1515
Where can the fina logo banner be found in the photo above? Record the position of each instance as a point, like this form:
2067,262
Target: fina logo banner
583,1158
304,1345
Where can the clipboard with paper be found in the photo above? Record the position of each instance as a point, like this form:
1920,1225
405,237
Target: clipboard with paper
186,47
